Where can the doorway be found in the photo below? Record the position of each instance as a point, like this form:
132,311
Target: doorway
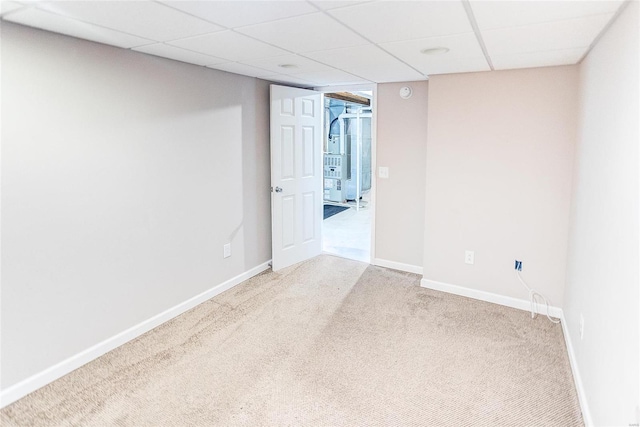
348,174
300,137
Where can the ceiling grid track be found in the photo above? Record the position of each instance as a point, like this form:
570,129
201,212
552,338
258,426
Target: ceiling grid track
476,30
605,29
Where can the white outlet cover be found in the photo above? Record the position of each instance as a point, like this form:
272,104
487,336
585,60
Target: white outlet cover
581,326
468,257
227,250
383,172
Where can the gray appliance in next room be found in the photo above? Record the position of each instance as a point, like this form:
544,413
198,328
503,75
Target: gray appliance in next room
347,157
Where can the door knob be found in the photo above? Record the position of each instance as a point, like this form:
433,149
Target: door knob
278,190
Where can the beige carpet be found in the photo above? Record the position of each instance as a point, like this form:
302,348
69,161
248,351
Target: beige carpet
329,342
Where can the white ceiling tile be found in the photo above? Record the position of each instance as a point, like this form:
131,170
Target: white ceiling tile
9,6
538,59
517,34
556,35
245,70
178,54
229,45
456,65
353,57
460,46
464,54
141,18
305,33
501,14
234,14
302,65
335,4
59,24
390,21
396,72
283,78
330,77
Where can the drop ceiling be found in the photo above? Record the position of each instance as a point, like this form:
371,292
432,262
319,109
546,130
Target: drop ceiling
319,43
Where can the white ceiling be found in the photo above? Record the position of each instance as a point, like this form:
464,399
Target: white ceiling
333,42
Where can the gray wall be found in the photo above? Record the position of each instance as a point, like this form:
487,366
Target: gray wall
602,273
401,141
499,160
122,177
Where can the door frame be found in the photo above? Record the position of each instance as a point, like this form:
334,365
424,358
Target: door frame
373,87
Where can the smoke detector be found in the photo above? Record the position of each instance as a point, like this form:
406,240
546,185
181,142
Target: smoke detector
405,92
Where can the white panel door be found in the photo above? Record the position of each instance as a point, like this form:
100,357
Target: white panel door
296,175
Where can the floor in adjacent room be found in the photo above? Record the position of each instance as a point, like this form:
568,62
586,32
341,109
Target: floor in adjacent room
348,233
327,342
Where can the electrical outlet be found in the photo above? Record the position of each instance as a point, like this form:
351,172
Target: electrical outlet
468,257
227,250
581,326
383,172
518,265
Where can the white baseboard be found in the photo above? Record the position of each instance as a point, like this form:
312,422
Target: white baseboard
523,305
397,266
28,385
582,396
520,304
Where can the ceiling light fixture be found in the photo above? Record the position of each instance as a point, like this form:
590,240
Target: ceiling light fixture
288,66
435,50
